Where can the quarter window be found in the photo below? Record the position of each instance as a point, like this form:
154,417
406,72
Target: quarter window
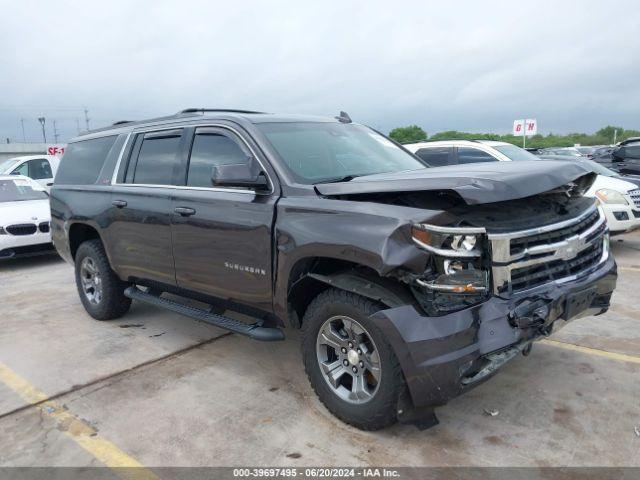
82,161
211,149
474,155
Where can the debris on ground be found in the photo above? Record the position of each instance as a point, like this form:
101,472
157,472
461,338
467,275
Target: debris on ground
491,413
637,430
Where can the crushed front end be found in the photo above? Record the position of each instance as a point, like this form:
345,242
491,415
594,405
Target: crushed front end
489,292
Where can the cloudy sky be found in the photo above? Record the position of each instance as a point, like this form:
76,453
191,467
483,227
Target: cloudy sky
472,66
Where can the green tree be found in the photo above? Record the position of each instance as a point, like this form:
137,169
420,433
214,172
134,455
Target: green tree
412,133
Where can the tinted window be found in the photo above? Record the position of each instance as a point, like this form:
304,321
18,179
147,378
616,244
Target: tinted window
209,150
435,157
632,151
82,161
473,155
157,159
40,169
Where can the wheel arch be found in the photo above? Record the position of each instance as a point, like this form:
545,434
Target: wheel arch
312,275
81,232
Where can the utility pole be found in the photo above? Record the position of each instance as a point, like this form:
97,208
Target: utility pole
86,117
42,121
78,125
615,135
55,132
24,138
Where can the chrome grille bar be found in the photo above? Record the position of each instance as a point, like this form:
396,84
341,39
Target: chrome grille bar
504,262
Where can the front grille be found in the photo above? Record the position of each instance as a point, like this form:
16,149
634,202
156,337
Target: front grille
44,227
22,229
528,259
536,275
635,196
519,245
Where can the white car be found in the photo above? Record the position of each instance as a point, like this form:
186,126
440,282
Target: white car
619,199
460,152
24,217
41,168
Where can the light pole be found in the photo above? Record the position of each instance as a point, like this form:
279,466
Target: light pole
42,121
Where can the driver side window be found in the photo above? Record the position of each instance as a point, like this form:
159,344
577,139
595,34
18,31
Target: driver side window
210,149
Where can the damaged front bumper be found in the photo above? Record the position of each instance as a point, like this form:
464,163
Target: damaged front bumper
443,356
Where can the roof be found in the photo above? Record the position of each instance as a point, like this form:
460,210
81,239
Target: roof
28,157
470,143
192,114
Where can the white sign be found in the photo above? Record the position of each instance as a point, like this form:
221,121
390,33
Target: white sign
56,149
530,126
518,128
526,127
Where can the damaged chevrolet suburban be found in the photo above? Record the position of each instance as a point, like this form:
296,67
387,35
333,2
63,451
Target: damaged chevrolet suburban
410,284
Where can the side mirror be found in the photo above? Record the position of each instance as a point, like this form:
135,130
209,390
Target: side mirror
243,175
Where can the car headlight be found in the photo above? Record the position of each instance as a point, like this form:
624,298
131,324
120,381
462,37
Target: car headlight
606,195
457,263
448,242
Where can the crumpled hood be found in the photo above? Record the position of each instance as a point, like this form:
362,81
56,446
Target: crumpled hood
475,183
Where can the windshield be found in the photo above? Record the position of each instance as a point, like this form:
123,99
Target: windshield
6,164
323,152
18,190
515,153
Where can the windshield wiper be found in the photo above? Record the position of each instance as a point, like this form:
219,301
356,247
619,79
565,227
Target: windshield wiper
346,178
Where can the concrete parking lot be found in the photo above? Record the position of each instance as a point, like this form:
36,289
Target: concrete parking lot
157,389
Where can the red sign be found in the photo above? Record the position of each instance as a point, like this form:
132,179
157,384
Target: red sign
56,149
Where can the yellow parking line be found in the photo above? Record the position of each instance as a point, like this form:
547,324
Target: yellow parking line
621,357
77,429
629,269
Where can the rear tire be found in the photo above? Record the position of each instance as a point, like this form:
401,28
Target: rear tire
359,378
100,289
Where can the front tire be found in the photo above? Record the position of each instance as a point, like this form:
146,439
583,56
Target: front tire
351,366
100,289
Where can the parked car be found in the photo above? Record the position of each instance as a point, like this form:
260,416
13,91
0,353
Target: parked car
565,151
624,157
41,168
410,285
586,151
619,197
24,217
460,152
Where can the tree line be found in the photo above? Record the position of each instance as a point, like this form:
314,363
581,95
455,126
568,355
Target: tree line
604,136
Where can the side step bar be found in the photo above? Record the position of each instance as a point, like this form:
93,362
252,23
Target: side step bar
255,330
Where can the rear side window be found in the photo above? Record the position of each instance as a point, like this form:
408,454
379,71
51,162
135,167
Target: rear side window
82,161
155,158
474,155
436,156
208,151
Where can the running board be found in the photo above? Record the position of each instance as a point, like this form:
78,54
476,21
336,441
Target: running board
255,330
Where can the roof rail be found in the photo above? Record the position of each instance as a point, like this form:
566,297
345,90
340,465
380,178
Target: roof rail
204,110
121,122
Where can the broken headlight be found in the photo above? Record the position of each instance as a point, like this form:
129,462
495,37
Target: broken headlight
458,275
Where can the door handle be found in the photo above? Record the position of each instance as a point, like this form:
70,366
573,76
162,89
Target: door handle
184,211
119,203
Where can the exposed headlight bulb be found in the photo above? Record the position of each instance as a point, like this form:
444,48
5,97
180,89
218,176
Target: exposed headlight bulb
463,242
